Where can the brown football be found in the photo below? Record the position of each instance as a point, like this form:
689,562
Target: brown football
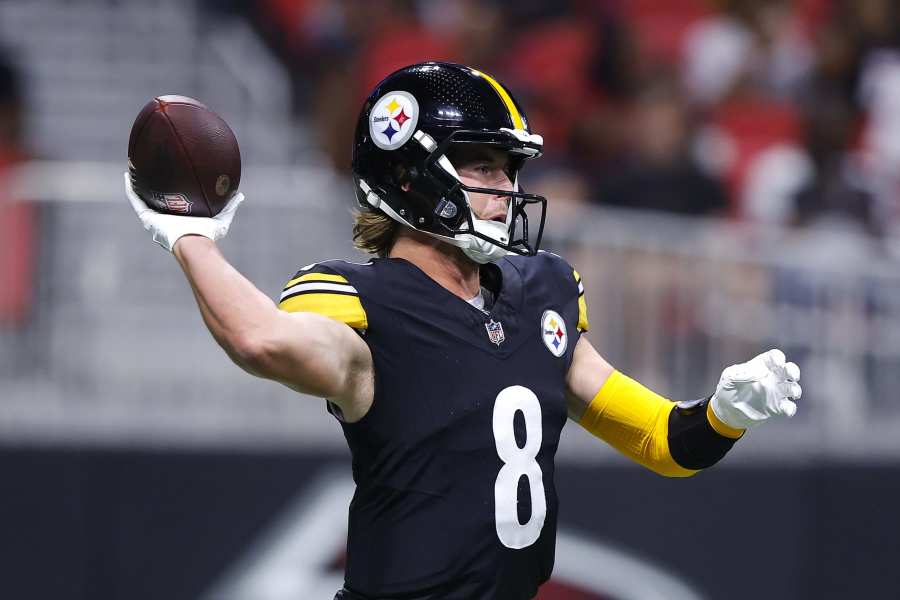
183,157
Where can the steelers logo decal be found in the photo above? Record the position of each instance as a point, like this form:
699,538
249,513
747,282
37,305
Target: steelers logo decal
393,120
553,331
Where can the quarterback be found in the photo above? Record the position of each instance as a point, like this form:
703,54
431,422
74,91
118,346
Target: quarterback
453,358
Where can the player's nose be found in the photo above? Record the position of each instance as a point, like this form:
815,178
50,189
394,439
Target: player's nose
504,186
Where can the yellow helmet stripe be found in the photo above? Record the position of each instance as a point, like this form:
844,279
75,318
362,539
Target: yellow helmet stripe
504,95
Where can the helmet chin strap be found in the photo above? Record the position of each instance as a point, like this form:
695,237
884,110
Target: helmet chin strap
481,250
485,251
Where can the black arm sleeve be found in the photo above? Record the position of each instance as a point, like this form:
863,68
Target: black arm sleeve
693,442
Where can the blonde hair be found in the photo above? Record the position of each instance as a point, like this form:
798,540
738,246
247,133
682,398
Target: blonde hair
374,232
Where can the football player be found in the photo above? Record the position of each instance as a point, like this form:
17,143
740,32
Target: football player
454,357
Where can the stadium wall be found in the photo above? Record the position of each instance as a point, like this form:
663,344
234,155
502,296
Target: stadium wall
96,525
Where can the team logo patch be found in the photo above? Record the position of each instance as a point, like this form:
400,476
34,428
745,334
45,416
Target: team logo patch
393,120
553,331
495,332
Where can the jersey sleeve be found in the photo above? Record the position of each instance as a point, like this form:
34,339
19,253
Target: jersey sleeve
583,324
560,267
321,290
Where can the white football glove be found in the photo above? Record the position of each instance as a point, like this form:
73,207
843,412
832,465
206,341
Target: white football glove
753,392
166,229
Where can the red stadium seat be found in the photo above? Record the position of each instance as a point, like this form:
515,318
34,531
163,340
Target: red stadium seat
552,69
753,126
403,44
660,25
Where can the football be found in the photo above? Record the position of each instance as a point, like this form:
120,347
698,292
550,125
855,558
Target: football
183,157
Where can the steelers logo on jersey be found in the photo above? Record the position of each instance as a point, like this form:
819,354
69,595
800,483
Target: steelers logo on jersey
553,330
393,120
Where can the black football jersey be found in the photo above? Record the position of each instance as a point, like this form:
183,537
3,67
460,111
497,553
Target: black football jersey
454,461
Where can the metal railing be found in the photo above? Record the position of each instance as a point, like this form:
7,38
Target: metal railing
114,351
89,67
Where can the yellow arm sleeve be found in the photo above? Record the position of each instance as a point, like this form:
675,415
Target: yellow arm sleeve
635,421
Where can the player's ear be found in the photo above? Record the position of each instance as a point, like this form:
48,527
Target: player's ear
402,176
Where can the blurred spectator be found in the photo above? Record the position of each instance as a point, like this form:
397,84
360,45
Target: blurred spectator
837,190
567,194
880,95
478,28
835,71
661,27
10,109
17,219
566,68
788,109
877,27
757,43
876,23
659,171
755,144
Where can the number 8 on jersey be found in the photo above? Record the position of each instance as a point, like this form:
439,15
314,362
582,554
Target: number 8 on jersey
518,462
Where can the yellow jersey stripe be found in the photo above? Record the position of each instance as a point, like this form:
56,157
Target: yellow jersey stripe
507,100
583,324
345,308
316,277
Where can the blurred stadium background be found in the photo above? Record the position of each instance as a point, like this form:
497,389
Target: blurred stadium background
724,173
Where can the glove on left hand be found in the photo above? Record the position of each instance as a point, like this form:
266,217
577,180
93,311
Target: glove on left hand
753,392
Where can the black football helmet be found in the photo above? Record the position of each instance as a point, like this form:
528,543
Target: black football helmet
405,129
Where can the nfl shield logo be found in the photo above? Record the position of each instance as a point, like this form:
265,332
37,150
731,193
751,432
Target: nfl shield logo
177,203
495,331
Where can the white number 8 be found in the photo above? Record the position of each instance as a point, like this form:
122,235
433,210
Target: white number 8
517,462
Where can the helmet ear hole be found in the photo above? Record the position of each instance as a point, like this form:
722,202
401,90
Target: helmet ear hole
404,176
399,174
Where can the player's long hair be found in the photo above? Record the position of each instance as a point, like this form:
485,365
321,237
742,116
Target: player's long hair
374,232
